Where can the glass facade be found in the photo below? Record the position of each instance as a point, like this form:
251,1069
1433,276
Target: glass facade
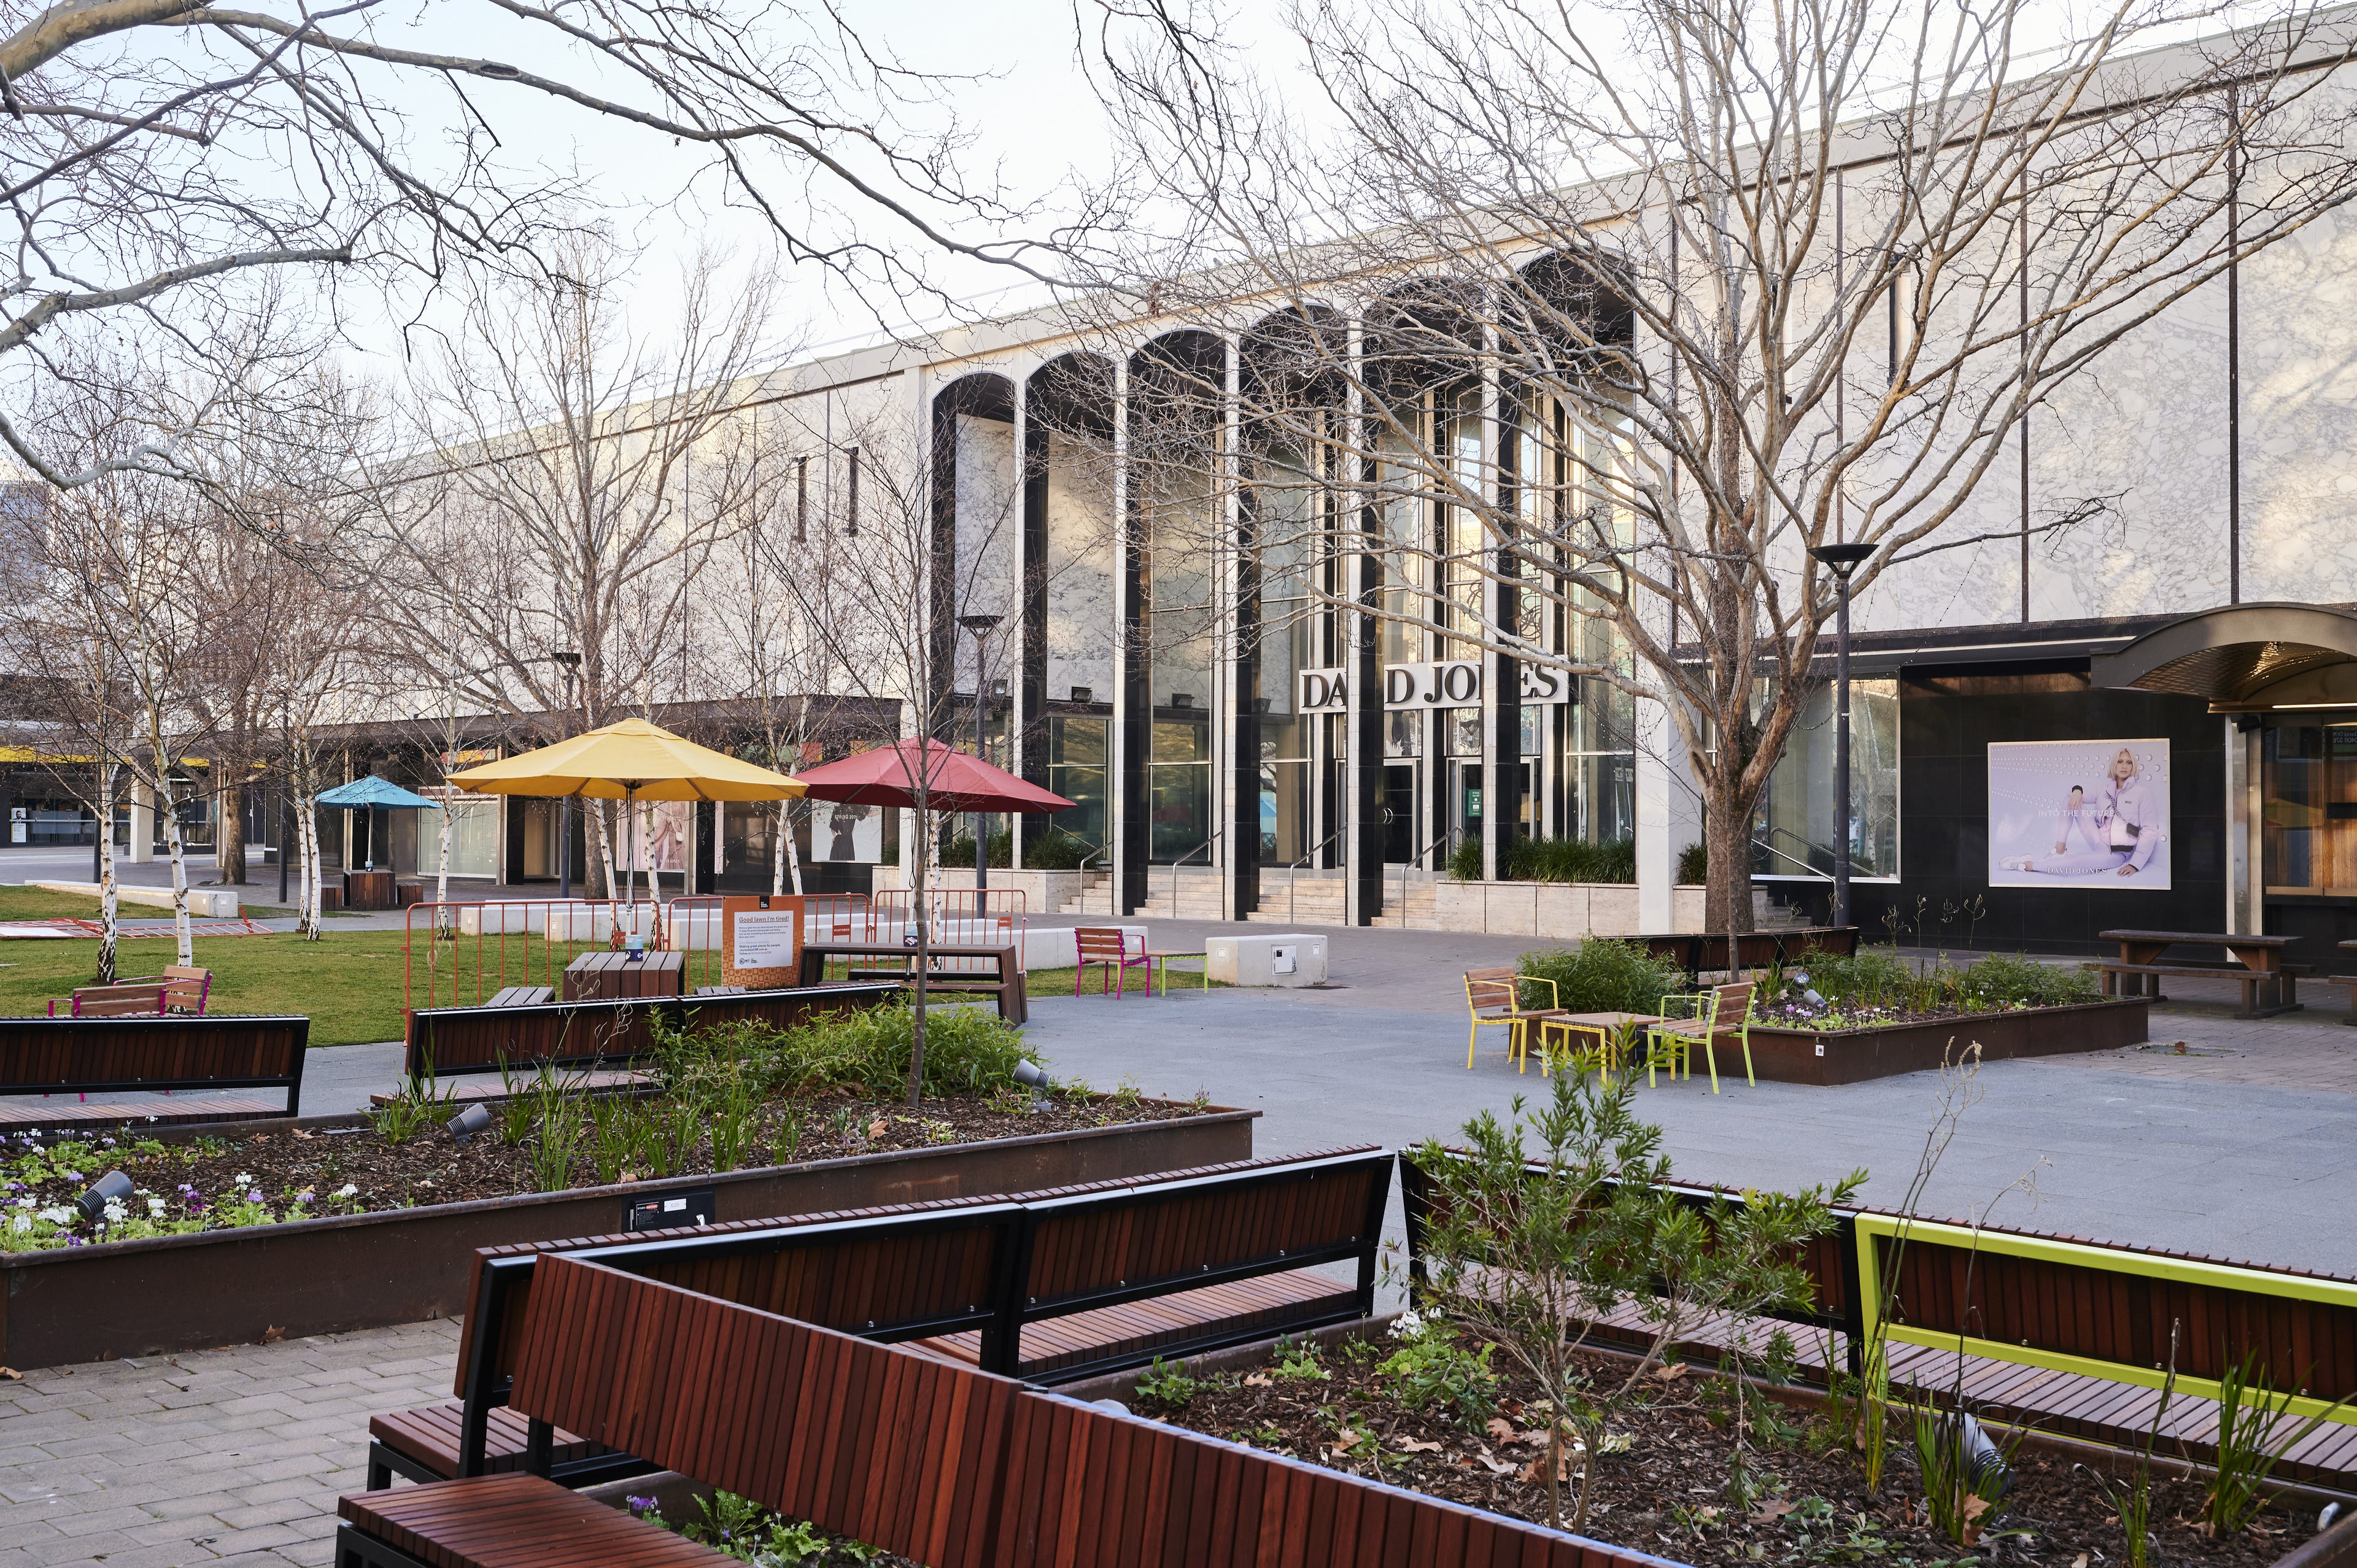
1178,790
1076,770
2309,808
1793,831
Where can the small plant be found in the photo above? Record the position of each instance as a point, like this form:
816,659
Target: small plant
414,1111
559,1125
1693,865
1601,976
2255,1429
1297,1359
1964,1476
1431,1367
2132,1502
1167,1385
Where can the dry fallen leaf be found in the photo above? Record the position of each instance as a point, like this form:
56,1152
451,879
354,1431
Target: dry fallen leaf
1973,1508
1496,1469
2080,1561
271,1336
10,1374
1346,1440
1418,1446
1772,1509
1504,1431
298,1132
1565,1466
879,1127
1671,1372
1257,1380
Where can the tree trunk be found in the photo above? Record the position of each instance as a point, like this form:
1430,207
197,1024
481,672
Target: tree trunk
605,847
229,837
789,854
108,903
924,950
1726,830
173,841
307,827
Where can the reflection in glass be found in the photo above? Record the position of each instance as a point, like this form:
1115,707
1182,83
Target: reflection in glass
1793,831
1076,770
2309,808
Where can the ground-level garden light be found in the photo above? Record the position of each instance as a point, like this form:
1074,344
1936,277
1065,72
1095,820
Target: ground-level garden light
113,1187
468,1122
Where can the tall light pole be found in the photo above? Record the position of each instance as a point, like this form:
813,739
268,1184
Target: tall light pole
572,664
1841,560
981,626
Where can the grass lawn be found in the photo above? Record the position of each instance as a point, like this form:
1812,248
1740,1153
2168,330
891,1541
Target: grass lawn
20,903
349,983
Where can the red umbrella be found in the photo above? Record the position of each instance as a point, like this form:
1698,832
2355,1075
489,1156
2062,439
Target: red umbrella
954,780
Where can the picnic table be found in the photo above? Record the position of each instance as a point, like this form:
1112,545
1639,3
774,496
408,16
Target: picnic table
1005,982
1603,1026
607,976
369,890
2269,984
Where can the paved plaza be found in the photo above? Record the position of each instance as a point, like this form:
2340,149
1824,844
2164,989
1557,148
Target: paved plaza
2233,1147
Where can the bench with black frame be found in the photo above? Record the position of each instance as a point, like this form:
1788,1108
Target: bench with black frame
2269,984
1003,983
1051,1287
1695,952
215,1053
934,1463
519,1032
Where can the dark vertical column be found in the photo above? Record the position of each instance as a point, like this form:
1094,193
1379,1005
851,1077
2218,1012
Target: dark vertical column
1363,776
1031,685
1502,812
940,630
1243,728
1133,818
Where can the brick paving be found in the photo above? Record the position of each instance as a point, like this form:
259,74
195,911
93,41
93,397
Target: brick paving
232,1456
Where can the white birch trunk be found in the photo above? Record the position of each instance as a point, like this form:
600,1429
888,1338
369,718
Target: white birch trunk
177,845
108,902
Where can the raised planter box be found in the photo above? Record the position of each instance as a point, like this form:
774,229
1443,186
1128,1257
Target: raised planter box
1853,1055
364,1270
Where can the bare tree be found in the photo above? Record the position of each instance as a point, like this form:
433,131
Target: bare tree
167,163
1621,312
557,509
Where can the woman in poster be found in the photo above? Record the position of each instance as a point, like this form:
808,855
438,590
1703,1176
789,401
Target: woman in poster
2117,830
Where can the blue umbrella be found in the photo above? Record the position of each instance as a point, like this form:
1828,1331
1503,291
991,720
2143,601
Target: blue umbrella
373,792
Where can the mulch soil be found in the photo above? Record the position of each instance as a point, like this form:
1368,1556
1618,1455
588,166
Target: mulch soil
431,1166
1667,1493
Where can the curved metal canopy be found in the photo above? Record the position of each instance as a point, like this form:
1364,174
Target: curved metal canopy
2245,657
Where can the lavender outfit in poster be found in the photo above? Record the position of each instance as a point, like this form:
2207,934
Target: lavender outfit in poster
2089,813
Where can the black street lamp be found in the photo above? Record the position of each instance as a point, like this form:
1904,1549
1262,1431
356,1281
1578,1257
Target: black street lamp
1842,559
981,626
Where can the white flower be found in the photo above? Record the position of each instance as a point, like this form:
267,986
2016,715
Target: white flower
1407,1325
348,1190
157,1205
240,1179
22,1223
116,1211
58,1216
26,1202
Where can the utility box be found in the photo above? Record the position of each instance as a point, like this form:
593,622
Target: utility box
1286,960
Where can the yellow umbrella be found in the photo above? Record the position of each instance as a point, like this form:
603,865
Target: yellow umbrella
629,761
632,760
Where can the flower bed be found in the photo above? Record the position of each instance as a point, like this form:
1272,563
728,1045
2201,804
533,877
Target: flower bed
1421,1411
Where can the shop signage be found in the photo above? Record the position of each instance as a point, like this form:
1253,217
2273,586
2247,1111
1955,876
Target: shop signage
1450,683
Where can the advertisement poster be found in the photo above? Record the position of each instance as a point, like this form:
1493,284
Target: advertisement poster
662,839
2079,813
846,832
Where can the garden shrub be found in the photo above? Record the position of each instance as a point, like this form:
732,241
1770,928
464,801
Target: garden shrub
2009,979
1601,976
1873,977
1879,978
1431,1367
1693,865
966,1048
1058,850
960,854
1465,860
1572,860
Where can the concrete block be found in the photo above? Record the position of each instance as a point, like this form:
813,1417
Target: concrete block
1288,961
205,903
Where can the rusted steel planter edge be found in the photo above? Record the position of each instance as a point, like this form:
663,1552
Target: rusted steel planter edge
341,1272
1827,1057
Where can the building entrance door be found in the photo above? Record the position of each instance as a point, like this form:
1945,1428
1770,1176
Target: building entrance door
1399,813
1464,798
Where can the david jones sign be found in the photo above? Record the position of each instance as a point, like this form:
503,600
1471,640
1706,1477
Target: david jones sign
1454,683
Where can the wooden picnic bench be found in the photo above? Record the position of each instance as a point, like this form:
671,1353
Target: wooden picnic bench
218,1052
599,976
1003,983
1050,1287
179,989
2269,984
935,1462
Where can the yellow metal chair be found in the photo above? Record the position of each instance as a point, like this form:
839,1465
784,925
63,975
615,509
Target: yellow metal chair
1676,1036
1493,997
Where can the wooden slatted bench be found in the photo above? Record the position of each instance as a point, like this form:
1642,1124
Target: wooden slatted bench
854,1436
623,1080
217,1052
1208,1257
935,1462
517,1030
179,989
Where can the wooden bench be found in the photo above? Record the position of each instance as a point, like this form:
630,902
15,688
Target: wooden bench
1203,1259
2255,960
1003,983
179,989
521,996
520,1033
174,1052
935,1462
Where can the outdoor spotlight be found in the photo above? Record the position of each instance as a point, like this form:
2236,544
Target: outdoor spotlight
468,1122
1031,1076
1084,693
1800,977
1182,699
111,1188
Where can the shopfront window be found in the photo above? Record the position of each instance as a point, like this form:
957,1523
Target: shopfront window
1284,789
1179,790
2308,804
1076,770
1793,831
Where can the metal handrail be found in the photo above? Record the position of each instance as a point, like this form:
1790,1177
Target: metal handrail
1804,866
1202,848
1307,856
1414,860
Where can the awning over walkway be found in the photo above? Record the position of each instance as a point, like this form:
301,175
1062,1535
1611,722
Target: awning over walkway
2245,658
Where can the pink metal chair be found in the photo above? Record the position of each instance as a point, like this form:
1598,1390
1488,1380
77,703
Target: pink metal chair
1108,946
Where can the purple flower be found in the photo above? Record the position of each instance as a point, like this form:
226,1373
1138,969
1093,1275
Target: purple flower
639,1505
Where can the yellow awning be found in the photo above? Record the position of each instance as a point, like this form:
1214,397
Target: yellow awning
629,761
